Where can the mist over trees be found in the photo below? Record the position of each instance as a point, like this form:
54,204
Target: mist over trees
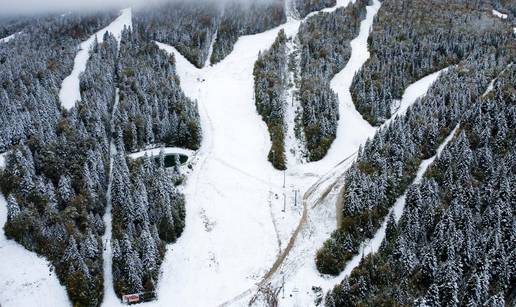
189,27
305,7
194,28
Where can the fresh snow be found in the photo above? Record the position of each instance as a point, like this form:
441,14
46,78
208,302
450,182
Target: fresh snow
70,91
499,15
413,92
229,239
237,230
2,159
166,150
8,38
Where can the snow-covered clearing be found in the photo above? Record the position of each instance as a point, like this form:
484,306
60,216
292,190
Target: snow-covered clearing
166,150
413,92
70,91
25,278
8,38
228,189
499,14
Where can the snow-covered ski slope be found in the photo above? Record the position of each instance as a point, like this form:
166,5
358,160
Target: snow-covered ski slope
233,226
70,91
8,38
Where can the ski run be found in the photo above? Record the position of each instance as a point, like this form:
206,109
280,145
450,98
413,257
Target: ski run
247,224
70,92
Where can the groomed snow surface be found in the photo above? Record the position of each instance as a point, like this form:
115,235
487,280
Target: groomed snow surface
70,91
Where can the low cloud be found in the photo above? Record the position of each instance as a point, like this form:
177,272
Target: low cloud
28,7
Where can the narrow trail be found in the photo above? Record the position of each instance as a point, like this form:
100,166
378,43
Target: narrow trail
8,38
70,92
107,253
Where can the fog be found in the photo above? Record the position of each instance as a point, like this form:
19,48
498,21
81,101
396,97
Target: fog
28,7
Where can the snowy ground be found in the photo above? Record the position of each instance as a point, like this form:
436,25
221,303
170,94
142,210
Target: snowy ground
499,15
166,150
230,238
8,38
70,92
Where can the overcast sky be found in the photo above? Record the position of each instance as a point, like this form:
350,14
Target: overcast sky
44,6
8,7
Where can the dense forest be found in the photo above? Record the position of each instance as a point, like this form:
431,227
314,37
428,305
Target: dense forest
68,171
57,210
454,244
321,49
387,164
153,109
29,84
57,176
407,43
189,26
244,18
302,8
10,25
324,46
270,84
196,27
